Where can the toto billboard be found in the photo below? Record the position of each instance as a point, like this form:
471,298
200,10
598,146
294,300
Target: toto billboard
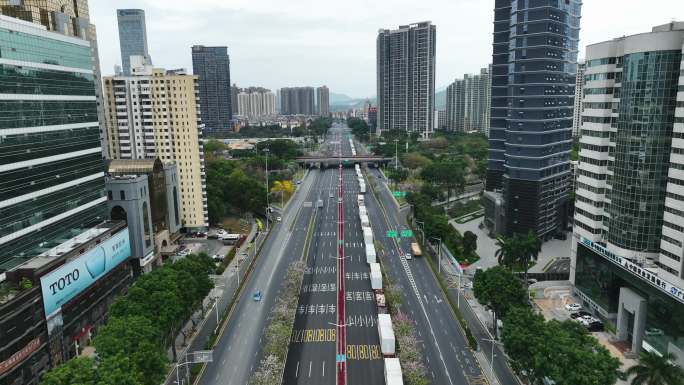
66,282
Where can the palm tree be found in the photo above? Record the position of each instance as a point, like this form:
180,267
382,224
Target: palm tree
530,249
654,369
506,252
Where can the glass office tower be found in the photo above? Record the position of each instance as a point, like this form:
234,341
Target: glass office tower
132,37
533,87
51,168
212,66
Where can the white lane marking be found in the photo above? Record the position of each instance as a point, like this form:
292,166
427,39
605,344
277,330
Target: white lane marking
323,368
297,370
310,363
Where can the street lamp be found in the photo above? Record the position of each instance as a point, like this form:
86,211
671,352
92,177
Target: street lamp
422,229
439,254
491,363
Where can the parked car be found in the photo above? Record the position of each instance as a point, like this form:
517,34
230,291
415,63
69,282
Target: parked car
217,257
573,307
257,296
653,332
579,314
596,326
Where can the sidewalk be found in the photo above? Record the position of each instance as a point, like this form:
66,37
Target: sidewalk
199,328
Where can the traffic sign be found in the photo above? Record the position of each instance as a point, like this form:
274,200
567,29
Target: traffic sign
399,194
406,233
391,234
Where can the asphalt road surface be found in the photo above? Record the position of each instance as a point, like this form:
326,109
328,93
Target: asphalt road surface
238,350
312,357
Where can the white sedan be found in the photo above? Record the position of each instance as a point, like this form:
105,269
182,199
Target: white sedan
573,307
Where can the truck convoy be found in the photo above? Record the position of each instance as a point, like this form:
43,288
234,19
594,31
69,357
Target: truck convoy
387,341
375,276
393,375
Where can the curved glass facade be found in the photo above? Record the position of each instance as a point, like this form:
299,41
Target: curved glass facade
648,97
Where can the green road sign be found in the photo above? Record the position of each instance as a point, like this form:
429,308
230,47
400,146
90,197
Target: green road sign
399,194
391,234
406,233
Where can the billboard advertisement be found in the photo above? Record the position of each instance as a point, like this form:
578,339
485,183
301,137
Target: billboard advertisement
67,281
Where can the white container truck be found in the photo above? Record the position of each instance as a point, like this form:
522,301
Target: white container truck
375,276
367,235
393,375
362,211
362,188
370,254
387,341
364,221
360,200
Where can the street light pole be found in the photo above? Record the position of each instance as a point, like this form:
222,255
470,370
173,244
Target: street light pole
439,256
491,363
422,230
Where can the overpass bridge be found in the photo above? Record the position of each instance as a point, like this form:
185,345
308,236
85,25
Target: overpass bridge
346,161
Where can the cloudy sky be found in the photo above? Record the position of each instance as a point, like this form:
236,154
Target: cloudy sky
276,43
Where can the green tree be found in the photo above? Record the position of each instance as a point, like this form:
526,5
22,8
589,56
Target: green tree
77,371
500,290
469,243
656,369
137,339
416,161
506,252
213,145
530,247
120,370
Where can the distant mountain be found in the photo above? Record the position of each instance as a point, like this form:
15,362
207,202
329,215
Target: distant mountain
342,102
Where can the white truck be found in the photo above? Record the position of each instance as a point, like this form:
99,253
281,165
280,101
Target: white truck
375,276
364,221
360,199
367,235
362,211
362,188
386,333
393,375
370,254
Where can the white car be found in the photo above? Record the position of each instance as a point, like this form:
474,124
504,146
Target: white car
279,219
409,256
573,307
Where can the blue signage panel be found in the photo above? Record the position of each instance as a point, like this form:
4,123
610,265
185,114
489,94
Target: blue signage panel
63,284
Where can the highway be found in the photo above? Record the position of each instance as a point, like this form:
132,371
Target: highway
238,350
321,326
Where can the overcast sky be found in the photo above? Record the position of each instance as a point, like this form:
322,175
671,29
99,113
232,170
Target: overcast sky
277,43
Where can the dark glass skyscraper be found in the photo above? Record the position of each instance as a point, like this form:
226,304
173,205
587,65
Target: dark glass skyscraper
533,85
212,65
132,37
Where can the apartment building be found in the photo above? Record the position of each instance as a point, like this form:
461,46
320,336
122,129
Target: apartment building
154,113
406,78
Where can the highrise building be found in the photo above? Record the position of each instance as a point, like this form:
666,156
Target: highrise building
132,37
468,103
297,101
154,114
579,95
533,87
51,176
234,91
627,256
212,66
71,19
52,199
256,103
406,78
455,107
323,101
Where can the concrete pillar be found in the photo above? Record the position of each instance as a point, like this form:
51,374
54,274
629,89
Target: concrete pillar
631,303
